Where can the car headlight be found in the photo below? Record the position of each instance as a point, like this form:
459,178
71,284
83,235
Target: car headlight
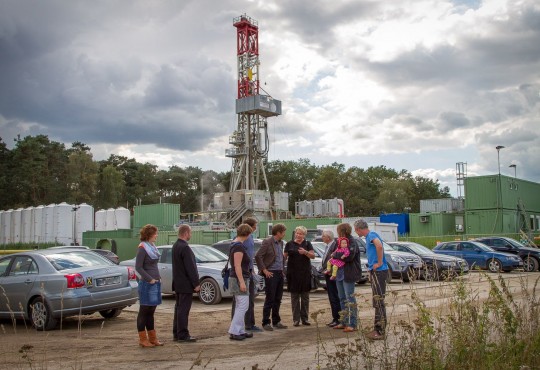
397,259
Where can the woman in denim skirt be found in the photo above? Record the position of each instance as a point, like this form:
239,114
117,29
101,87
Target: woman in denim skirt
146,264
239,282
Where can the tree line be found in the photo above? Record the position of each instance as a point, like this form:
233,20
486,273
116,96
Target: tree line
38,171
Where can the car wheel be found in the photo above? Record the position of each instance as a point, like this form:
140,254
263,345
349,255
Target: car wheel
431,273
209,293
110,314
494,265
41,315
530,264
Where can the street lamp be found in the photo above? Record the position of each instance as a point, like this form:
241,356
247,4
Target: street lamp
515,169
499,147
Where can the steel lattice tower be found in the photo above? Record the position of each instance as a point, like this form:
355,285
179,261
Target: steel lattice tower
250,142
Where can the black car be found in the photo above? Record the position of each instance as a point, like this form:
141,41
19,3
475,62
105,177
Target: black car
530,256
108,255
436,266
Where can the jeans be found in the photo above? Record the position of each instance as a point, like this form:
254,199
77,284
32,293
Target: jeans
249,318
272,301
333,297
348,303
378,287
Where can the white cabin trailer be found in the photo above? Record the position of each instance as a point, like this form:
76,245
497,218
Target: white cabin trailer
110,221
63,223
123,218
27,225
387,231
84,221
48,220
100,220
16,225
39,225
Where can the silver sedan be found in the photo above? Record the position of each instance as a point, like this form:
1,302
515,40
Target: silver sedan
47,285
209,261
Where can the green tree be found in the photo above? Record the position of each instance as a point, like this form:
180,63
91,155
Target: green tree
111,187
329,182
82,175
39,171
7,196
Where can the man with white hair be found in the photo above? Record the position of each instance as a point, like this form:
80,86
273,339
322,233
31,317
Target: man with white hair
331,287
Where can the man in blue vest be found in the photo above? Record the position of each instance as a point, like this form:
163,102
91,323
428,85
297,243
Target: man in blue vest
378,271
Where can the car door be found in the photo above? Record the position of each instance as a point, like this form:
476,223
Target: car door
450,249
473,255
165,269
17,283
502,245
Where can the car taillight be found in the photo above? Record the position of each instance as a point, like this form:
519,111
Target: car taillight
131,274
74,281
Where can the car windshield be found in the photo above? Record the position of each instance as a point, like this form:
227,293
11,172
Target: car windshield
419,249
515,243
483,247
76,259
319,248
206,254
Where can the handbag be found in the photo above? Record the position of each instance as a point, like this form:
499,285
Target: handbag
225,273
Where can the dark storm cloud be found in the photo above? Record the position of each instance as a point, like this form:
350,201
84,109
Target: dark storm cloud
453,120
52,73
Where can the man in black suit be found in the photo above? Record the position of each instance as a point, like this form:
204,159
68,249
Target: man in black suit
185,283
331,287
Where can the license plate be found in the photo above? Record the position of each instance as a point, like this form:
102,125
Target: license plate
110,280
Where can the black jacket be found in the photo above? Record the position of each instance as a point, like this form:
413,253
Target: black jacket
184,268
353,267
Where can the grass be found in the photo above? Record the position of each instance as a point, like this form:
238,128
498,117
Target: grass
497,329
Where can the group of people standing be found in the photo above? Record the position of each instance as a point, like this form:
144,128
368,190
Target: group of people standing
276,261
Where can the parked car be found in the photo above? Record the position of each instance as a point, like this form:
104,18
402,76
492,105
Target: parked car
480,255
108,255
209,261
320,247
530,256
46,285
436,266
403,266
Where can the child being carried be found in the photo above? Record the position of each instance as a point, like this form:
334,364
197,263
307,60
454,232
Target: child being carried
336,262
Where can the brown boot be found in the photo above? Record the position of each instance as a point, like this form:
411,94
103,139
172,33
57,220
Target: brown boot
143,340
153,338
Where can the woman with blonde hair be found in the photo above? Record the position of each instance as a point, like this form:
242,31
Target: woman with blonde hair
298,254
146,264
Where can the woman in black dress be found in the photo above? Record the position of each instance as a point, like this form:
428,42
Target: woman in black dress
298,254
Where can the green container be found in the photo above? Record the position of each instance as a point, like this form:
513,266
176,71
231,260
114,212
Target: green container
491,222
165,214
482,192
433,224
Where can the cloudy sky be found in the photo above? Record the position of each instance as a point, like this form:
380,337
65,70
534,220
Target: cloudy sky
416,85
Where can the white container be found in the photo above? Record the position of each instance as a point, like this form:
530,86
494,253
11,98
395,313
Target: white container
2,235
110,221
281,201
122,217
63,223
48,220
84,221
6,226
318,207
100,220
27,225
16,225
39,225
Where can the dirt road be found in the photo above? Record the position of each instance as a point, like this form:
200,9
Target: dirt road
94,343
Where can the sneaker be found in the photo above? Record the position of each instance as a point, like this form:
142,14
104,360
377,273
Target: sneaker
279,325
254,328
339,326
296,323
374,335
268,327
306,323
349,329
